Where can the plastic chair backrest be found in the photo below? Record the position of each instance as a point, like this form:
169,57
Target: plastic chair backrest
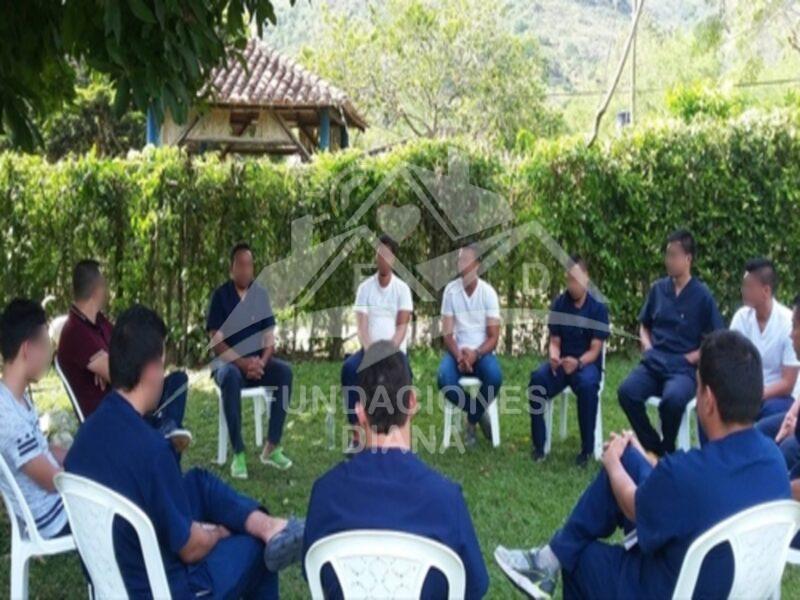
759,538
72,398
23,526
382,564
91,509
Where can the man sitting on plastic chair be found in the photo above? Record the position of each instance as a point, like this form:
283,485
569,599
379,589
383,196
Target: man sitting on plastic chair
578,325
83,356
33,463
214,541
241,326
471,328
385,485
664,506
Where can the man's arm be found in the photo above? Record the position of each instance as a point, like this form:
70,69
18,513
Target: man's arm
229,355
362,322
448,328
269,346
789,422
202,539
401,327
554,352
692,357
784,386
98,364
644,338
41,470
623,487
593,353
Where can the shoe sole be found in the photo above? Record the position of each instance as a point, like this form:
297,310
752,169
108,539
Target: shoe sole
180,440
274,465
239,475
522,583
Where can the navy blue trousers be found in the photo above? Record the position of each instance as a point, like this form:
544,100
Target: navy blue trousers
588,565
487,369
676,389
231,380
350,387
545,385
235,567
172,405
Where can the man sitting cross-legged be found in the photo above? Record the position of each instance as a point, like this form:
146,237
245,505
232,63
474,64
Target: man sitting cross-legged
385,486
383,309
212,539
33,463
667,504
578,326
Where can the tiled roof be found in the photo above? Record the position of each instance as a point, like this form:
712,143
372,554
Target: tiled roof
271,79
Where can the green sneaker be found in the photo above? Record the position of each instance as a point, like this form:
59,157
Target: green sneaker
277,459
239,466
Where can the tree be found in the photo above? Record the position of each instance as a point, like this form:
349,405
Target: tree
435,68
155,53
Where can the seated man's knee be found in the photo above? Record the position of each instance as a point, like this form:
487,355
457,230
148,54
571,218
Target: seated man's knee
447,375
229,375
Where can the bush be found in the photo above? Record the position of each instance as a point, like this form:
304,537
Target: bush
163,224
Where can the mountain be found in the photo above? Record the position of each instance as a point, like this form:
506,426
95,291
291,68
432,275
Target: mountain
579,38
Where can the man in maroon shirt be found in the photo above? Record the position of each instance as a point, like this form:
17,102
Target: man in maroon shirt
83,355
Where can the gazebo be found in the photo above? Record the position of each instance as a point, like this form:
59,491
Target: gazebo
267,104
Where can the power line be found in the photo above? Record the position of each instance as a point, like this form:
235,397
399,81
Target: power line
743,84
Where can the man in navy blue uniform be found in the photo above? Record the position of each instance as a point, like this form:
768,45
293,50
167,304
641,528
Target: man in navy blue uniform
241,325
214,542
385,485
578,325
678,313
668,503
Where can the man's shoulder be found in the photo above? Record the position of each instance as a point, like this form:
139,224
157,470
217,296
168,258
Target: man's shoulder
452,286
703,288
784,314
742,315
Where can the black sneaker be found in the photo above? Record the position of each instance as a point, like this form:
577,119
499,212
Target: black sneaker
582,460
521,569
537,455
486,425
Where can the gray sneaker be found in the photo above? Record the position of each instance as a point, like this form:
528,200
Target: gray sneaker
520,566
286,547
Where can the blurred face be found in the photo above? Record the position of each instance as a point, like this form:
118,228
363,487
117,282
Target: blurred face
577,280
384,259
36,353
468,264
152,382
754,293
242,269
796,330
677,261
100,294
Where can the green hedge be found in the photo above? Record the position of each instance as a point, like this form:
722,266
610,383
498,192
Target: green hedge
162,224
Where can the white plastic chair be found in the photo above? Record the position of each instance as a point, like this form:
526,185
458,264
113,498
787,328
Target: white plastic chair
91,509
382,564
262,401
684,441
794,557
564,398
471,385
26,542
68,388
759,538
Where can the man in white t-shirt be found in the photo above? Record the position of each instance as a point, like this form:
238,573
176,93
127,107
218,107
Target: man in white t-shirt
471,328
768,324
26,353
383,311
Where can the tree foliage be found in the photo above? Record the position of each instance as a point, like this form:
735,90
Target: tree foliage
425,68
155,53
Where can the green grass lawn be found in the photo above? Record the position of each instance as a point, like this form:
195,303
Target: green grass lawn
512,501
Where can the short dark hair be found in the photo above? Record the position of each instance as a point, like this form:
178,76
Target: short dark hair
764,270
385,384
240,247
390,243
137,340
577,259
85,276
685,238
20,322
731,366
